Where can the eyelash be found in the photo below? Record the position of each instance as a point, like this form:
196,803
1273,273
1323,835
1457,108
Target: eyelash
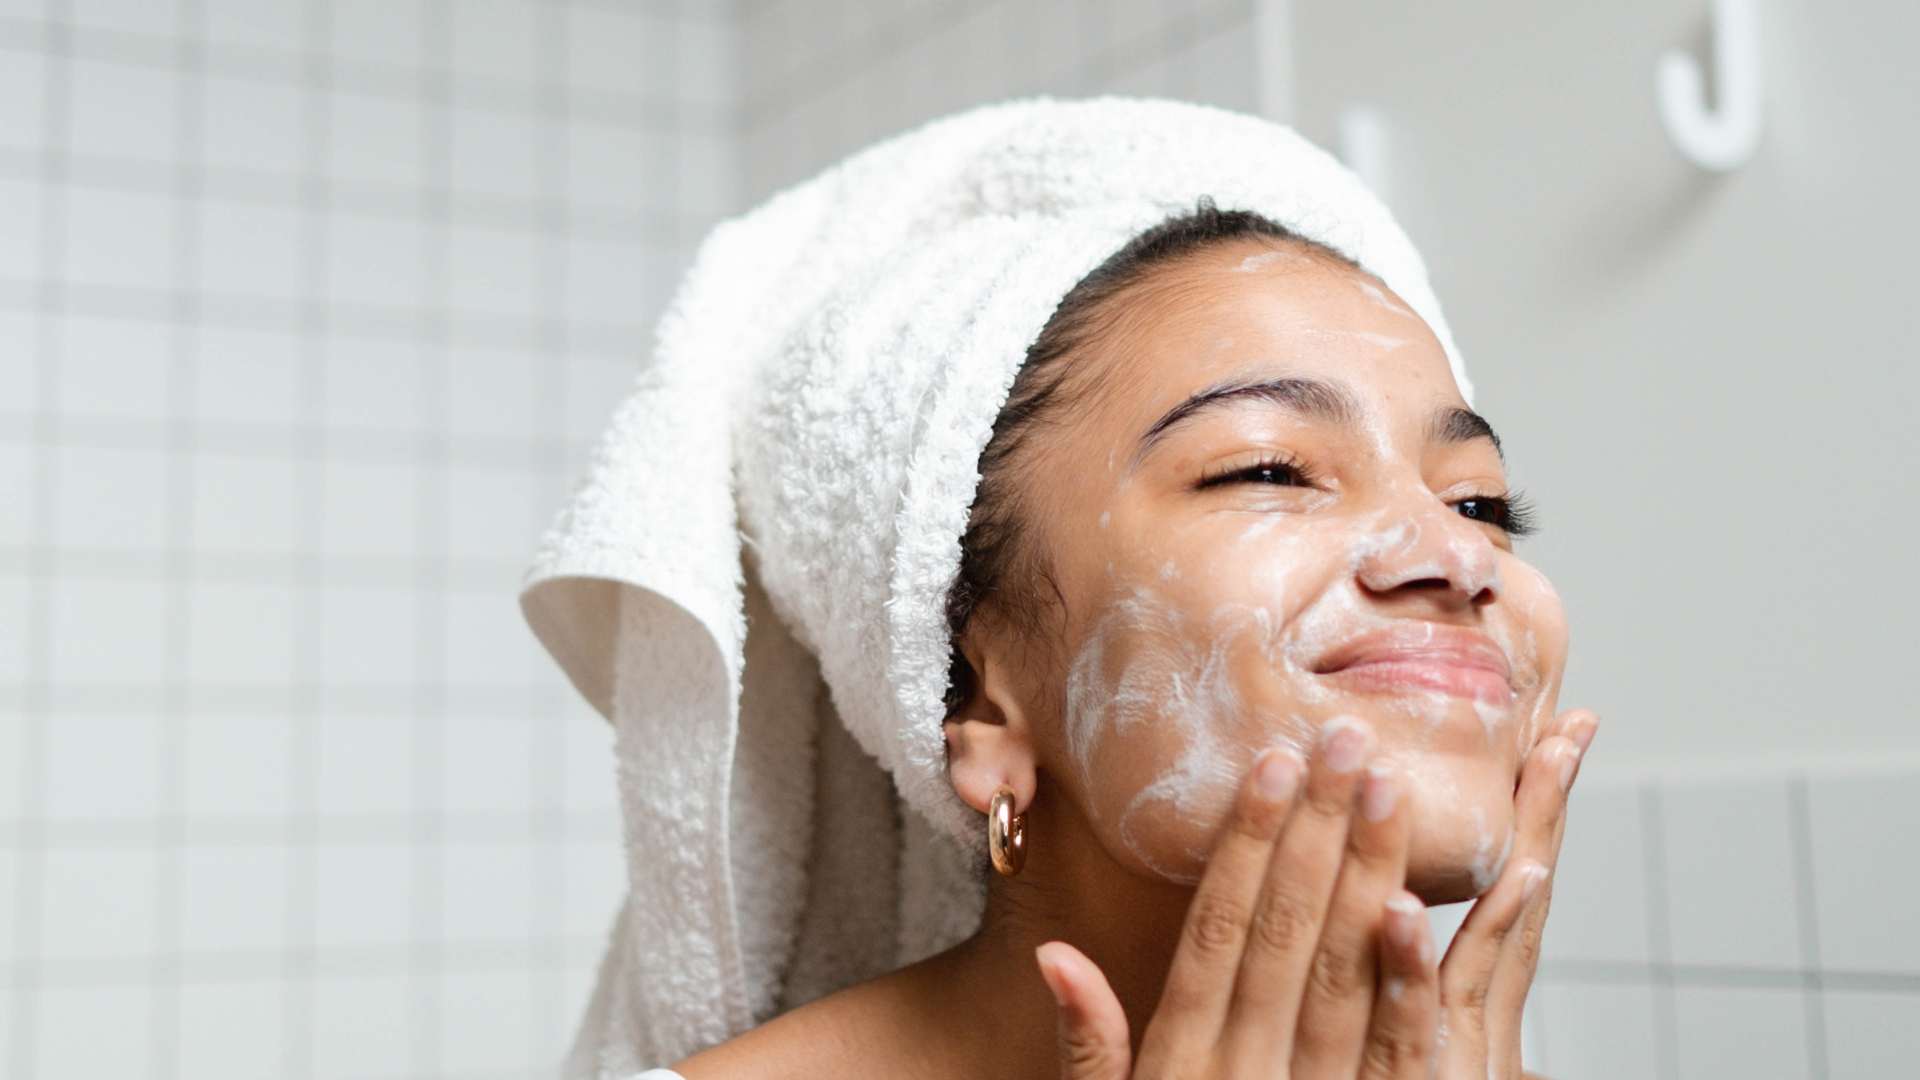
1514,512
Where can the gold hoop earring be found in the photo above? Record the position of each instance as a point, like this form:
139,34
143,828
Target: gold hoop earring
1006,833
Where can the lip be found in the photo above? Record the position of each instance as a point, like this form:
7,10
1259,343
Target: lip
1422,655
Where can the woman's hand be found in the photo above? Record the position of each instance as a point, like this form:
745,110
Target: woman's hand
1300,946
1302,914
1490,965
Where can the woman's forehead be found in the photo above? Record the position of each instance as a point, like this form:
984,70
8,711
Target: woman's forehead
1233,317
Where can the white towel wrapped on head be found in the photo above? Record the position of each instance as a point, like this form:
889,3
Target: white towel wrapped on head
757,563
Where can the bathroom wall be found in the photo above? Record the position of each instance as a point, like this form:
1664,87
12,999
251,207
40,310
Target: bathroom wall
821,79
1706,383
308,312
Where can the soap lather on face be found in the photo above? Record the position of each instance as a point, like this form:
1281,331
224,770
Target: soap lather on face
1207,578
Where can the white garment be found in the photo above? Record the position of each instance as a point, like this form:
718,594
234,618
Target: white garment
751,582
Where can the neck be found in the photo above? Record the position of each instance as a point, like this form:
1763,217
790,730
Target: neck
1070,890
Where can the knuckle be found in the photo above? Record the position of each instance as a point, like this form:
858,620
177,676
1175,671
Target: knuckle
1282,922
1080,1052
1216,924
1251,820
1528,947
1473,996
1496,934
1335,971
1389,1052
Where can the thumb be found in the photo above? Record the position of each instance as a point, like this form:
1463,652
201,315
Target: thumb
1093,1029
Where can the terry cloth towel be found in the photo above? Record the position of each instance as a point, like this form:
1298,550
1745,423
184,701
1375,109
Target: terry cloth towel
750,583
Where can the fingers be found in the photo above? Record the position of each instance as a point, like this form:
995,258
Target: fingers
1341,982
1489,968
1541,817
1193,1003
1406,1009
1279,966
1092,1027
1467,971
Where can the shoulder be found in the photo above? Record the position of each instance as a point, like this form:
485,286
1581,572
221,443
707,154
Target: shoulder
798,1043
842,1034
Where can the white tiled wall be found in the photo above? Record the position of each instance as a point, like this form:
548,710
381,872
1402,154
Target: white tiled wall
1756,924
309,310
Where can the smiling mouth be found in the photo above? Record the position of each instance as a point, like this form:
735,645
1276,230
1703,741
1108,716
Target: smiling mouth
1400,676
1412,656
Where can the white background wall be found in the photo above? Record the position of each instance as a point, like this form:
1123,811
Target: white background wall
1729,500
309,311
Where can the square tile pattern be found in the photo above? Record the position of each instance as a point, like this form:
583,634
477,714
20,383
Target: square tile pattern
295,362
321,307
1774,923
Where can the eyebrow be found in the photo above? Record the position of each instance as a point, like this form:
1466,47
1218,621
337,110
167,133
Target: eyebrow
1313,399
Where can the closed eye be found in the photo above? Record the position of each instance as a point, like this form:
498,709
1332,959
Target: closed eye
1512,513
1278,470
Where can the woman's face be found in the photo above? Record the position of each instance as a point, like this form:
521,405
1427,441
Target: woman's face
1230,567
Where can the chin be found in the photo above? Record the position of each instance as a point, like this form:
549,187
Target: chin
1462,829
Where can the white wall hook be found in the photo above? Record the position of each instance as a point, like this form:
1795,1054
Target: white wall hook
1725,137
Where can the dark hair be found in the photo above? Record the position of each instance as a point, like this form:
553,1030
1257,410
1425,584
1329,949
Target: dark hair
1000,568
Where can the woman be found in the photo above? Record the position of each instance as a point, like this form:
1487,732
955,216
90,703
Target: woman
1240,647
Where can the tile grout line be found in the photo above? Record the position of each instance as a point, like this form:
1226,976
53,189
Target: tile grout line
50,336
431,717
302,932
1659,941
240,831
1814,998
1723,977
366,699
264,64
217,566
172,826
375,446
353,319
383,199
480,956
552,181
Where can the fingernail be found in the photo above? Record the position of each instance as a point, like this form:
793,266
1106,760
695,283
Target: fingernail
1568,759
1050,975
1531,875
1583,732
1402,926
1345,741
1277,775
1378,794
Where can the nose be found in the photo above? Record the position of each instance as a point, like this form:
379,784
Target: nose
1426,543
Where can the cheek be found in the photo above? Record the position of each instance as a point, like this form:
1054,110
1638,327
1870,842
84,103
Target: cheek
1197,664
1538,640
1163,717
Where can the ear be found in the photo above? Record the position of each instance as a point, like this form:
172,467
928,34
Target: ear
989,742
